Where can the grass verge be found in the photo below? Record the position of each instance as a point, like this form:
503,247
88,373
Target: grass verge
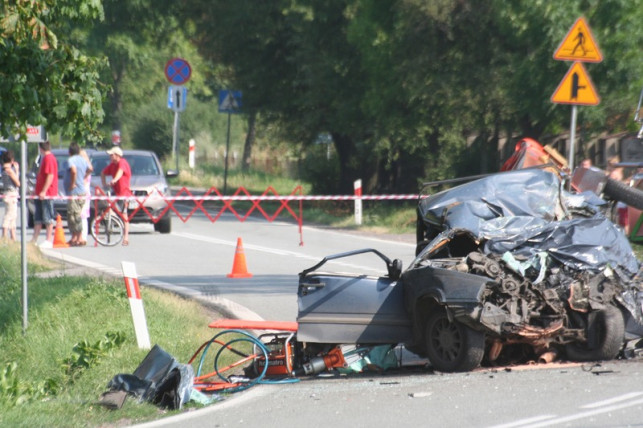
79,336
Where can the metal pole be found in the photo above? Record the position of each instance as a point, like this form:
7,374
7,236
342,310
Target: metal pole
227,151
23,235
572,139
175,140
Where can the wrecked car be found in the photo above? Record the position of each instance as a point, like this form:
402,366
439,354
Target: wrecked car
509,267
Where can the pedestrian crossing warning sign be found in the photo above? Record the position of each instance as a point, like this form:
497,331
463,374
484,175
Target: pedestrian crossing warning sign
579,45
576,88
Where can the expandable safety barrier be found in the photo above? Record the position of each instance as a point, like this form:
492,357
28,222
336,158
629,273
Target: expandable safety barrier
136,204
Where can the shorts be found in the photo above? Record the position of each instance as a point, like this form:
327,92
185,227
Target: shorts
10,209
45,213
74,214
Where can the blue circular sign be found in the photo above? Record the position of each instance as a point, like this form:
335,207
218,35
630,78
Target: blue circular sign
178,71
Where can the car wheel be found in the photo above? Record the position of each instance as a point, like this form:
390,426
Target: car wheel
605,336
164,225
451,346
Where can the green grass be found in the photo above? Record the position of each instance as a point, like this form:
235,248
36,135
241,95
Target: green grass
638,250
55,373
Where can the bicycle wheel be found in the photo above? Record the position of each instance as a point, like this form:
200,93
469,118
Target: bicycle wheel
107,231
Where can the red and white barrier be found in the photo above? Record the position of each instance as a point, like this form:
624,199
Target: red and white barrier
138,204
136,305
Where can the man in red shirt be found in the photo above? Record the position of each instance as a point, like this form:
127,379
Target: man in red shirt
120,172
46,189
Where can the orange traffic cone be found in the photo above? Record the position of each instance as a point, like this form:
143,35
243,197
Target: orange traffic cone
59,234
239,269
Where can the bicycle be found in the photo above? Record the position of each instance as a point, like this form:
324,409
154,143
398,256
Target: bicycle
107,228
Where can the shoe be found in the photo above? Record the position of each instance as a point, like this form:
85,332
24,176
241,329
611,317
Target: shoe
46,244
81,243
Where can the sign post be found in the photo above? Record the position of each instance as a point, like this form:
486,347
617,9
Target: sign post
35,134
229,102
177,72
576,88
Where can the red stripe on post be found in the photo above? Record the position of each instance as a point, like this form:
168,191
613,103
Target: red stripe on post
133,290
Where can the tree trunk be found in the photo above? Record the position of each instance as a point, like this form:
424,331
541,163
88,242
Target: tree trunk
116,100
250,140
345,148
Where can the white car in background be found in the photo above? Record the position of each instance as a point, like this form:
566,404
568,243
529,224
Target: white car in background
148,183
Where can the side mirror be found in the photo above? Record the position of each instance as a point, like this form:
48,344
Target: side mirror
172,173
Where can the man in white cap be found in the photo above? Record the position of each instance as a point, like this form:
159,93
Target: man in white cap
120,172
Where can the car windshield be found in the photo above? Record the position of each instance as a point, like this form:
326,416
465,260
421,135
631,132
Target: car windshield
62,162
61,159
140,164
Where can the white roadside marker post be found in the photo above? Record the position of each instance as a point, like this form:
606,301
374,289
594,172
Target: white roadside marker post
136,304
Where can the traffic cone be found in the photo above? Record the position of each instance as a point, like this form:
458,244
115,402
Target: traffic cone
239,269
59,234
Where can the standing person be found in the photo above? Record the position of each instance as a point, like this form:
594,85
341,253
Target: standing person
11,182
77,169
84,214
120,172
46,189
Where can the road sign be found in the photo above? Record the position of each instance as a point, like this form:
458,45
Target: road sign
177,97
579,45
178,71
576,88
35,134
229,101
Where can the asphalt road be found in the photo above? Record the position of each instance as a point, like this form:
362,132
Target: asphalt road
196,257
571,395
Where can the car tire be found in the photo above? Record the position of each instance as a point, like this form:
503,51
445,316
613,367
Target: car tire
164,225
450,345
605,338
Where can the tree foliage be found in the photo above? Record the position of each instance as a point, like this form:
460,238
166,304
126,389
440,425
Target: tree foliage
402,84
408,90
43,79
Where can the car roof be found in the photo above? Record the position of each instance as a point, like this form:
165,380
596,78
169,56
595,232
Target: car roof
127,152
65,150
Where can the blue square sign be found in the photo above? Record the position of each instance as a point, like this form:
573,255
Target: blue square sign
229,101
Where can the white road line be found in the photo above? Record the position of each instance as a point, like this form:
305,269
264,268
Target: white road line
583,415
612,400
271,251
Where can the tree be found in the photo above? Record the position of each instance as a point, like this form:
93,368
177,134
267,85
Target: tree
43,79
294,66
411,89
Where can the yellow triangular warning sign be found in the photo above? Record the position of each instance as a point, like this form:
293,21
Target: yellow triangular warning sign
579,45
576,88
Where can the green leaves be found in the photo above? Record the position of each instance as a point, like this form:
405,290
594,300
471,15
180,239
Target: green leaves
45,80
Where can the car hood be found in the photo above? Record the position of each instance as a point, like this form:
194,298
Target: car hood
138,182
